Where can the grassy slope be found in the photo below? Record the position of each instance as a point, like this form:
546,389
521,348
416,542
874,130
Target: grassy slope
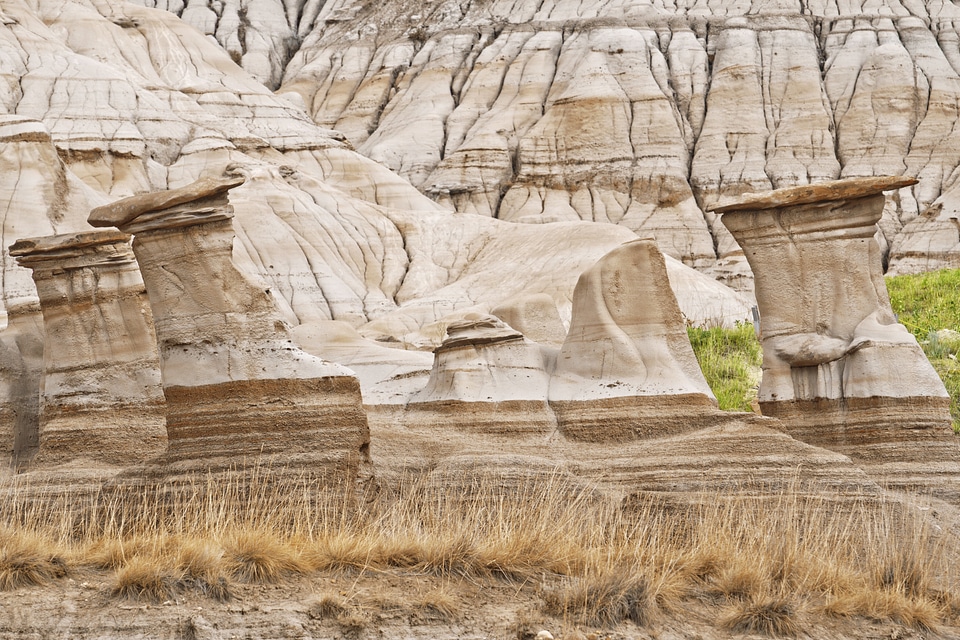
927,303
730,360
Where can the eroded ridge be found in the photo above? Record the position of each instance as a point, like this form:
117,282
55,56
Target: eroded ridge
100,398
237,389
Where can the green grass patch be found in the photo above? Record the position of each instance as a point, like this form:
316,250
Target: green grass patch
730,360
928,303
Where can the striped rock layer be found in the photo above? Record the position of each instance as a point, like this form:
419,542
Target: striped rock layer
100,398
238,391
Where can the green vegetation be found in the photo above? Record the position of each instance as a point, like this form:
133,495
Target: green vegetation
730,360
928,304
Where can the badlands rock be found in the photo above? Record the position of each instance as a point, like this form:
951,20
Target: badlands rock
486,377
21,368
838,369
387,375
535,316
236,387
643,115
100,395
627,368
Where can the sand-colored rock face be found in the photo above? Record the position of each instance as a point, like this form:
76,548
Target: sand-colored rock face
236,386
486,377
21,368
838,369
626,364
100,395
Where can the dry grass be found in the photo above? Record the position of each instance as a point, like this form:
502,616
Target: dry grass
769,616
27,560
763,566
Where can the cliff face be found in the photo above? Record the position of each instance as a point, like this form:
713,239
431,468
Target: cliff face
636,113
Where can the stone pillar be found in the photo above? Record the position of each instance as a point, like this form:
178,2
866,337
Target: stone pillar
486,378
100,395
238,390
838,369
21,368
626,369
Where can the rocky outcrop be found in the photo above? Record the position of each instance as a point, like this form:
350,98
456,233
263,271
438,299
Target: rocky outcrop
237,389
838,370
486,377
100,395
626,368
21,368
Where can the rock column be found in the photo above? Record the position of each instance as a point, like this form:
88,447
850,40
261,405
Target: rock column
238,391
838,369
100,395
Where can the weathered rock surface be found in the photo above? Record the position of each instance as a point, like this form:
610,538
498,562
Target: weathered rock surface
486,376
838,369
236,387
626,366
21,368
644,115
100,395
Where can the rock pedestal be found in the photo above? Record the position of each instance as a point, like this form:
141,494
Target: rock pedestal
838,369
486,377
100,395
238,391
626,368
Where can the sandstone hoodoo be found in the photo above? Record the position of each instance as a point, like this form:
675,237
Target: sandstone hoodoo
486,376
237,389
838,369
626,368
100,398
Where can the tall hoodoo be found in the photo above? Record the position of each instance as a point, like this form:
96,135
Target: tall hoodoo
838,369
100,395
238,390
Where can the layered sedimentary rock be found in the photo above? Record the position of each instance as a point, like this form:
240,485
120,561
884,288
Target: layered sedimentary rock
236,387
100,395
21,368
626,368
486,377
838,369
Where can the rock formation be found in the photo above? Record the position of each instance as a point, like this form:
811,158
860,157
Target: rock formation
21,368
100,396
486,377
236,387
838,370
626,368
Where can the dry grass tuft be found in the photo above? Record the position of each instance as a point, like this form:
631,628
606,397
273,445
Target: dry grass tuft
146,579
26,560
259,557
328,606
771,616
201,564
602,600
436,605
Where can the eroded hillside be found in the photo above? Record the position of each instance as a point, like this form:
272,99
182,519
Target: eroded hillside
637,113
